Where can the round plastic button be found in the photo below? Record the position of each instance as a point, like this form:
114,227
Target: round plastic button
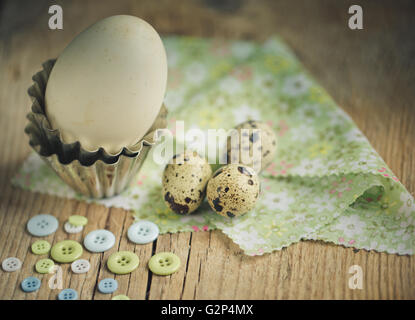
66,251
120,297
68,294
11,264
123,262
77,220
107,285
44,266
80,266
70,228
143,232
40,247
164,263
42,225
99,240
30,284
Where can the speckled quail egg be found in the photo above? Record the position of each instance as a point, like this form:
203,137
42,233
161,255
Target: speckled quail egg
259,146
184,182
233,190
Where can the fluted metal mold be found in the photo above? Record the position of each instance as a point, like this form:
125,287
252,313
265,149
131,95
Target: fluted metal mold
95,174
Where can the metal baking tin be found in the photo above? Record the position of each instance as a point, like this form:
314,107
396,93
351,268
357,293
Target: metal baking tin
95,174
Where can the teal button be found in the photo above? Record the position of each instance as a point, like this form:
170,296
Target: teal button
30,284
42,225
107,285
143,232
68,294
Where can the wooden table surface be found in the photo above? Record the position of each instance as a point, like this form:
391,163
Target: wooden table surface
369,72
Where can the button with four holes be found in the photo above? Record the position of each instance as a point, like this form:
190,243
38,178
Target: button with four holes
99,240
120,297
11,264
122,262
44,266
30,284
164,263
107,285
66,251
143,232
77,220
40,247
42,225
70,228
68,294
80,266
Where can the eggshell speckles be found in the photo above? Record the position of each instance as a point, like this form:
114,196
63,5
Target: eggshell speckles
233,190
249,141
184,182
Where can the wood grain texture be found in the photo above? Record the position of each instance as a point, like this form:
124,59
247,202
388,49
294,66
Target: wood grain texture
370,73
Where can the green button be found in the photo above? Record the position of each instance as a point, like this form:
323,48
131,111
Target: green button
164,263
78,220
40,247
44,266
120,297
66,251
122,262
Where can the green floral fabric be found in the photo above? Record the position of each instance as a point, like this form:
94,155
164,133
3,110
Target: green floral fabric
325,183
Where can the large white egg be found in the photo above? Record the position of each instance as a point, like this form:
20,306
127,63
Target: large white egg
108,85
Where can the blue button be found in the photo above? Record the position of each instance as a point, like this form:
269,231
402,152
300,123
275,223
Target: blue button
68,294
107,285
30,284
143,232
99,240
42,225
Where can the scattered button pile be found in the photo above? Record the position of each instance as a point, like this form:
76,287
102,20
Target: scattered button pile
75,224
97,241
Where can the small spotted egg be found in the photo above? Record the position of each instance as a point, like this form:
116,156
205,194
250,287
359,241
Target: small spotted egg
233,190
260,145
184,182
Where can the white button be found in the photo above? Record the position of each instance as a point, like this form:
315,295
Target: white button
80,266
143,232
11,264
99,240
70,228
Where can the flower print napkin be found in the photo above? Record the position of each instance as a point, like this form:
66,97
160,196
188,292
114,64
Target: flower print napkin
326,181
